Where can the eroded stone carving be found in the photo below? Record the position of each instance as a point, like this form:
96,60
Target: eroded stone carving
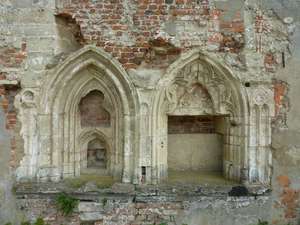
187,100
198,86
136,137
56,145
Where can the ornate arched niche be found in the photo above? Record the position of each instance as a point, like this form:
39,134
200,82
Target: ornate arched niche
97,128
96,152
261,102
196,85
90,79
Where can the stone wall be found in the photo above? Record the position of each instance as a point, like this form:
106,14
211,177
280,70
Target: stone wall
195,152
124,205
258,43
123,211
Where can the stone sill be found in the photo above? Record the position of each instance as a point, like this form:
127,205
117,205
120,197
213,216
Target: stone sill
140,193
9,82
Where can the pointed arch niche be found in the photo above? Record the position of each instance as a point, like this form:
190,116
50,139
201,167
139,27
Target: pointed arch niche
194,87
87,104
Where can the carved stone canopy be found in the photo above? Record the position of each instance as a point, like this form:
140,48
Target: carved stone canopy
199,90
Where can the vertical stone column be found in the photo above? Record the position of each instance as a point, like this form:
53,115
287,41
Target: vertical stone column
26,103
126,178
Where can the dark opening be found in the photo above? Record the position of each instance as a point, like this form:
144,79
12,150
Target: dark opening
143,175
247,84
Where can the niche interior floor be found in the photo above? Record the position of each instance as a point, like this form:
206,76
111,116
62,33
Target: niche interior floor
197,177
99,180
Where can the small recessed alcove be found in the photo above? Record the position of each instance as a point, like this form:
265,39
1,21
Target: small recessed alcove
92,110
196,148
96,154
95,121
95,157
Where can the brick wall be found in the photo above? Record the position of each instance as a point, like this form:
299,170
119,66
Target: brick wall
92,112
191,124
282,104
11,57
134,31
7,96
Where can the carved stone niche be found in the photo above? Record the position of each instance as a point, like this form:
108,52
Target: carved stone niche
88,97
96,154
197,85
96,157
96,118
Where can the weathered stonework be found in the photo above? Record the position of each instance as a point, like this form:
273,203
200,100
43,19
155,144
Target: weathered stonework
146,205
53,132
89,87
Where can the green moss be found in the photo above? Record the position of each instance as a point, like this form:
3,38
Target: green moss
260,222
14,189
100,181
39,221
66,204
196,177
104,202
25,223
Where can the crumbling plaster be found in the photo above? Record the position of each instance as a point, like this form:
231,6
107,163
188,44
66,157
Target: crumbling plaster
24,22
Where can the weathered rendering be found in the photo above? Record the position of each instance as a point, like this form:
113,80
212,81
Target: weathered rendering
150,112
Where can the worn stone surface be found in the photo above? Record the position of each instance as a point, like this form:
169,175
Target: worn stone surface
150,59
170,204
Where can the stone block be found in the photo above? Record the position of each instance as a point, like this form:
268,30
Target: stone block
123,188
91,216
90,207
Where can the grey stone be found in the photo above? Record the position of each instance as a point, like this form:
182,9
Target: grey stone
91,216
123,188
90,207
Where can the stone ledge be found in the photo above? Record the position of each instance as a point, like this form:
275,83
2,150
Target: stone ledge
141,193
9,82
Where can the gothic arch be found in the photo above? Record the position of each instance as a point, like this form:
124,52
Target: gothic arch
59,132
228,97
92,134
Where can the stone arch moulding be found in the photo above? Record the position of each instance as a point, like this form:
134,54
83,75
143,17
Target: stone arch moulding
228,97
55,152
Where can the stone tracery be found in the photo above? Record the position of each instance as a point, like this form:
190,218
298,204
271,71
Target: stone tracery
195,85
228,98
61,139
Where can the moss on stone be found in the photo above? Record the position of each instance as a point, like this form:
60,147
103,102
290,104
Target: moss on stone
99,181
